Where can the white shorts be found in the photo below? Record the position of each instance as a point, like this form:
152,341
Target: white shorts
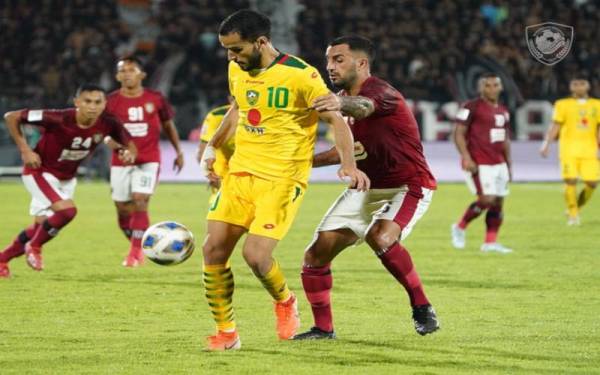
357,211
489,180
46,189
130,179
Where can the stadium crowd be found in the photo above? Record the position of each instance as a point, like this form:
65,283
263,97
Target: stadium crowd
425,46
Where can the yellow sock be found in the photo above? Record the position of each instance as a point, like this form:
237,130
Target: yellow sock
571,199
219,285
274,283
585,195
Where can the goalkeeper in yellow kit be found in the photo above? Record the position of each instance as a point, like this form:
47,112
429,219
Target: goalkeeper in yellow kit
575,122
275,129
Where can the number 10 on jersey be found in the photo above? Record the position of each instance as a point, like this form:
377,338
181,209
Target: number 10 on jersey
278,97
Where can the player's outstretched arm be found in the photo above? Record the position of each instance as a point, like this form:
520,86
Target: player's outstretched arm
551,135
13,122
460,140
173,136
344,144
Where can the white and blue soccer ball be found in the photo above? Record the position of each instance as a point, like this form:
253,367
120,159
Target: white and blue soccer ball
168,243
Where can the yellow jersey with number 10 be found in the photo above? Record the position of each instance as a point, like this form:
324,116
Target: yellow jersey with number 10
277,129
578,119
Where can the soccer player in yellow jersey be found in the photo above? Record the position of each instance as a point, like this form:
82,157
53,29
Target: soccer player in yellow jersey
575,122
223,154
275,128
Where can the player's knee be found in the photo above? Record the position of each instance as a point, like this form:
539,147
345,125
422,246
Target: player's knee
314,258
257,261
69,213
140,203
378,238
487,200
213,253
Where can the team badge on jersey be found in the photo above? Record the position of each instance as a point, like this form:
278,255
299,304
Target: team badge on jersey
149,107
252,97
98,137
549,42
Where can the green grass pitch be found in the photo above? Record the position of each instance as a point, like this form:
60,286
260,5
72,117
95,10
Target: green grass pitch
535,311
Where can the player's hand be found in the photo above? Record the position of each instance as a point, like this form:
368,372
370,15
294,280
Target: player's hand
356,178
214,182
469,165
126,156
31,159
207,162
178,162
329,102
544,150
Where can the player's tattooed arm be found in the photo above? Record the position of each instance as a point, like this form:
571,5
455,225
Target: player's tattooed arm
329,157
357,107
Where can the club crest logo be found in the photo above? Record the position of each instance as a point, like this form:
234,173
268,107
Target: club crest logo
97,137
549,42
149,107
252,97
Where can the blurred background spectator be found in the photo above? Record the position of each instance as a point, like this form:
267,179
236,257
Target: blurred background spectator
431,50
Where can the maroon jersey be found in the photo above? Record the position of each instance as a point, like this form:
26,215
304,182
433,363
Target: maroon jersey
487,130
64,144
393,153
142,117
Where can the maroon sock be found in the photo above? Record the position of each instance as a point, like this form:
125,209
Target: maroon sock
317,283
493,220
52,225
398,262
473,211
17,247
139,223
124,221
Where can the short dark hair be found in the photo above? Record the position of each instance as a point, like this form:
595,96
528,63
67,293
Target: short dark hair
89,87
132,59
248,23
356,43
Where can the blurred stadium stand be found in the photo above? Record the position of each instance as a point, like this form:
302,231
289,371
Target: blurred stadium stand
431,50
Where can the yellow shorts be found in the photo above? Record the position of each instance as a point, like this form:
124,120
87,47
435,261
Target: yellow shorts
586,169
264,207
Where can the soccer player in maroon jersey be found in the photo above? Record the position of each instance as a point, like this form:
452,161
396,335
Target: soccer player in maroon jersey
482,136
143,113
69,136
388,149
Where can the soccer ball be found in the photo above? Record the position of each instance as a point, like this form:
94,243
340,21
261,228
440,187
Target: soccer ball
168,243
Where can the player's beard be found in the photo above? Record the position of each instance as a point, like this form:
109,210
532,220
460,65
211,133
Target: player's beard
253,61
346,82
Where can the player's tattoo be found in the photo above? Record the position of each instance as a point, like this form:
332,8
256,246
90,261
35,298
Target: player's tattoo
358,107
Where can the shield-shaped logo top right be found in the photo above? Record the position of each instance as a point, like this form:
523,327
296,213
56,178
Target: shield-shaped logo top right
549,42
